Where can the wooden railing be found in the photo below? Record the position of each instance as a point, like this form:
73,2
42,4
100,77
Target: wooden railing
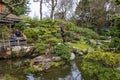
9,43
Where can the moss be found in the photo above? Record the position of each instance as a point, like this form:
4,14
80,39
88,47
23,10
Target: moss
30,70
63,51
57,64
80,46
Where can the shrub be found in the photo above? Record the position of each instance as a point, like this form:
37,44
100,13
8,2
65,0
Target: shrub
100,66
102,37
41,47
20,25
7,77
32,34
30,70
63,51
5,32
87,32
115,43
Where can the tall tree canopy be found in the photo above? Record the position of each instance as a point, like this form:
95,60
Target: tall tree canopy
17,7
96,12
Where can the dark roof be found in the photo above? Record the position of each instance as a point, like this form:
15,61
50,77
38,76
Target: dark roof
10,18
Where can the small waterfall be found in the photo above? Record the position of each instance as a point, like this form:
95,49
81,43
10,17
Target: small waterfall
75,73
30,77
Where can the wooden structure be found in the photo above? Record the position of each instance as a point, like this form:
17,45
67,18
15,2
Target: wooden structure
6,17
8,43
2,7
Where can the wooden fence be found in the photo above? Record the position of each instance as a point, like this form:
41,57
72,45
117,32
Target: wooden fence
8,43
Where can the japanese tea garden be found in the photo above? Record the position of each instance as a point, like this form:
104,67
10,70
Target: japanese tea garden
72,40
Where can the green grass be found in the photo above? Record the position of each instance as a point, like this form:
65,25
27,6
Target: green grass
80,46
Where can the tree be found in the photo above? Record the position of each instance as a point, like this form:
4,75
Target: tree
17,7
117,1
88,14
64,9
41,2
51,4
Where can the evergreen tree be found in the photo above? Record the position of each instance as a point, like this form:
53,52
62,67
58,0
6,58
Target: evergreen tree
17,7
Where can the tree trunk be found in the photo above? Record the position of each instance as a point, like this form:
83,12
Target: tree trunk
52,9
41,1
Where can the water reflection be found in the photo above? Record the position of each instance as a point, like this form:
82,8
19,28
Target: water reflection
74,74
14,68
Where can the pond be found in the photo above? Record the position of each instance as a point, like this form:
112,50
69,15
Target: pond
15,69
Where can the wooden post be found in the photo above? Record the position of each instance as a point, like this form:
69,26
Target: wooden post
9,43
18,42
3,40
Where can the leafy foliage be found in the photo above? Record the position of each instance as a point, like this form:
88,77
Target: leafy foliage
5,32
63,51
87,33
115,43
32,34
99,65
7,77
17,7
20,25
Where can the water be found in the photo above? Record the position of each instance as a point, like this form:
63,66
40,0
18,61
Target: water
15,68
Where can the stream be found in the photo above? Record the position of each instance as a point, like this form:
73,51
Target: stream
15,68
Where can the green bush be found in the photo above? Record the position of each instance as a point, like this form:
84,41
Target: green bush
63,51
69,26
20,25
5,32
100,66
88,33
102,37
115,43
95,71
7,77
32,34
30,70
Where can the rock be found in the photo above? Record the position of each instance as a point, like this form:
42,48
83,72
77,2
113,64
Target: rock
98,44
69,77
72,56
56,58
35,66
42,59
39,59
91,42
16,48
80,53
89,49
59,43
68,44
76,50
84,51
19,48
118,68
47,60
8,51
47,66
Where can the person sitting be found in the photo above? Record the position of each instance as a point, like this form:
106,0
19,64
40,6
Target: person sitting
23,36
23,39
18,33
13,37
